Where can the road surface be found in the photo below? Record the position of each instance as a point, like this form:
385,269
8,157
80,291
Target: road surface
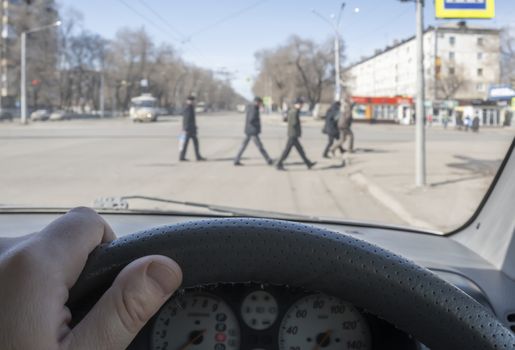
65,164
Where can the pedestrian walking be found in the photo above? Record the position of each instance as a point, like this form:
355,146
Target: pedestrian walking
294,133
344,126
467,123
445,121
475,124
459,121
331,127
252,131
189,128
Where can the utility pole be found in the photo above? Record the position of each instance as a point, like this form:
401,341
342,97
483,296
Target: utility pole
5,52
113,102
102,87
338,87
23,82
420,137
334,22
420,110
23,96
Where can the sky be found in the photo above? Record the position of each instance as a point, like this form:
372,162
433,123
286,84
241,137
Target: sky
225,34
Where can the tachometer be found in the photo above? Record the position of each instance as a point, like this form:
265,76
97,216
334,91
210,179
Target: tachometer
319,322
196,321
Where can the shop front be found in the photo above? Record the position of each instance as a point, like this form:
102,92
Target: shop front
383,109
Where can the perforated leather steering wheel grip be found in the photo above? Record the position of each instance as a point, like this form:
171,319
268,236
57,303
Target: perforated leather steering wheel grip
256,250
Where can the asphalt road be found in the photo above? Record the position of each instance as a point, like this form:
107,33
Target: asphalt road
72,163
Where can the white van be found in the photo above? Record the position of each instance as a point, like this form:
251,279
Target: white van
144,108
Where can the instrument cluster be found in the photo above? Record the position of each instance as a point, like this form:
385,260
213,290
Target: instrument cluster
266,317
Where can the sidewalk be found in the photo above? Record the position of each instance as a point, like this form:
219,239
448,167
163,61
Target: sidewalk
459,172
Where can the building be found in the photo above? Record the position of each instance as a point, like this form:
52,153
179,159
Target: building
460,62
18,16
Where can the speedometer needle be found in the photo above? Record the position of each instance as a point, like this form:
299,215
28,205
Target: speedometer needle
326,335
193,340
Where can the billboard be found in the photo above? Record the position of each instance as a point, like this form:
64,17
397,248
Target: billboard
465,9
499,92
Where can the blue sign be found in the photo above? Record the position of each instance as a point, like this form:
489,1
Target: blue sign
465,9
501,92
465,4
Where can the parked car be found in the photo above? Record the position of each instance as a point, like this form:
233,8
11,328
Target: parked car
60,115
40,115
6,116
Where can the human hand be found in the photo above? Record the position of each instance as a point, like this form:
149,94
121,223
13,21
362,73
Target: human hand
38,270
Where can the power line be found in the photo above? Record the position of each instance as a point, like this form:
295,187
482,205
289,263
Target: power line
142,16
162,19
164,30
181,37
226,18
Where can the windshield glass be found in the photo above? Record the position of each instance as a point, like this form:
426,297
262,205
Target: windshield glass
309,108
144,104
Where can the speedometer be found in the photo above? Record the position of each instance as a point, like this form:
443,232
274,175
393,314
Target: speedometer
320,322
196,321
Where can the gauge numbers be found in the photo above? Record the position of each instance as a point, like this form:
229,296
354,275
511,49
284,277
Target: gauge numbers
320,322
196,321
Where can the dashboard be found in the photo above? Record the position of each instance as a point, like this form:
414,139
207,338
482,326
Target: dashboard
265,317
261,328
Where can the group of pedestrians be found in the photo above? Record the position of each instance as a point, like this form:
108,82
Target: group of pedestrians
337,127
467,123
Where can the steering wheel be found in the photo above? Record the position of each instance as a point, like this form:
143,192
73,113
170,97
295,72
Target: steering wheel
256,250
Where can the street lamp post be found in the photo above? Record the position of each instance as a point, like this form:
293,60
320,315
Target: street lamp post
23,97
420,132
334,22
420,156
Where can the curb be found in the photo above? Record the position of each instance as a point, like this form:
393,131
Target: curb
388,201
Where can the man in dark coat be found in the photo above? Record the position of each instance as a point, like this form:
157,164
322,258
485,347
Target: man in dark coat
189,127
294,133
252,131
475,124
344,126
331,127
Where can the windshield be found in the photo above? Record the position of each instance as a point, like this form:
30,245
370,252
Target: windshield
312,109
144,104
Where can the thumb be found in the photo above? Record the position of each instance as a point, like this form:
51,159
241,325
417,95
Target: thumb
138,292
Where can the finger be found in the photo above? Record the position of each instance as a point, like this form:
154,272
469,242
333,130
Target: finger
6,243
136,294
70,239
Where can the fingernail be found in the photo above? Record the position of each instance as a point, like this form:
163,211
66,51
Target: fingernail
164,277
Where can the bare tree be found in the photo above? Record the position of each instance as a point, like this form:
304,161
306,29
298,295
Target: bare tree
66,66
67,31
128,60
508,55
41,50
133,56
300,67
450,81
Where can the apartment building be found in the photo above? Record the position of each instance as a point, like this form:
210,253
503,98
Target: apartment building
460,63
